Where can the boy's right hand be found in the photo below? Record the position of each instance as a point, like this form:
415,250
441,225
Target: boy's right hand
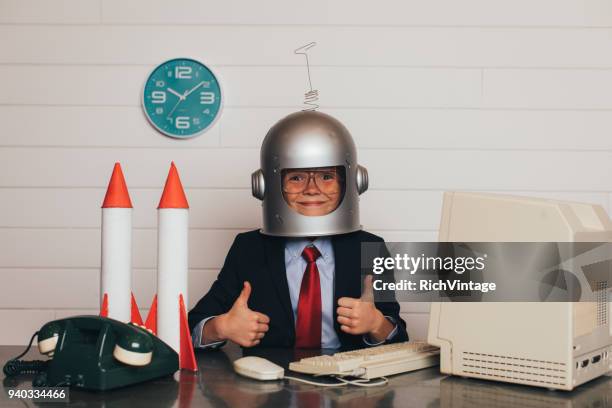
241,324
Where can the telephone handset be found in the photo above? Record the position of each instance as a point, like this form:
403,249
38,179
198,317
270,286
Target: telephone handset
133,346
94,352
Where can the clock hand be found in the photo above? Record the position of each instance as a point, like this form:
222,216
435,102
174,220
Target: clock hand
183,96
193,89
181,99
175,106
172,91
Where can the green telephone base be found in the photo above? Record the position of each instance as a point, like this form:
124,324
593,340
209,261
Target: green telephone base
83,356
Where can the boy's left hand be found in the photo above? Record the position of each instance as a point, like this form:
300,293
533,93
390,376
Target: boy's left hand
360,316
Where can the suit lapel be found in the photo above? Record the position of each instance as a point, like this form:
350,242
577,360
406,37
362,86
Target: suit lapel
275,256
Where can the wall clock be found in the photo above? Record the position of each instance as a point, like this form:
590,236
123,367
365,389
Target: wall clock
182,98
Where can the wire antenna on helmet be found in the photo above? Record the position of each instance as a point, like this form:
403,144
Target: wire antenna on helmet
312,96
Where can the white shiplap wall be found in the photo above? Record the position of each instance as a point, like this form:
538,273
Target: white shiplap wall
509,96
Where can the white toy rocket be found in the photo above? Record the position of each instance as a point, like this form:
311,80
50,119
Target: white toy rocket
168,315
116,276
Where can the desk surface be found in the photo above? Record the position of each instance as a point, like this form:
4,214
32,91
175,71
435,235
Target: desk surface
217,385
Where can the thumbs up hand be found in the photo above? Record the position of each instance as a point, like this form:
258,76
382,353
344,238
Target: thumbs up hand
241,324
360,316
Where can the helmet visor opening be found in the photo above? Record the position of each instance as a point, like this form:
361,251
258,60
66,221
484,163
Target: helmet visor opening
314,191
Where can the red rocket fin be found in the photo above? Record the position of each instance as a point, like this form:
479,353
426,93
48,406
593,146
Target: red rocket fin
151,322
104,307
187,359
117,193
173,195
135,318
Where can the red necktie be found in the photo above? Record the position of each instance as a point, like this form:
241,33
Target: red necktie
308,326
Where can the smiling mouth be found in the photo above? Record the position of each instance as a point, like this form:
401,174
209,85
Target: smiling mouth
311,203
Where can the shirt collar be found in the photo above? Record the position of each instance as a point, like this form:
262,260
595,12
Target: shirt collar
295,246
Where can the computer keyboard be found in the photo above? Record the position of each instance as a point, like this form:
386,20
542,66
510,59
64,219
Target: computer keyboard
373,362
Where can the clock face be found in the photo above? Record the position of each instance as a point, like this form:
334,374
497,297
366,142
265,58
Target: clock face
182,98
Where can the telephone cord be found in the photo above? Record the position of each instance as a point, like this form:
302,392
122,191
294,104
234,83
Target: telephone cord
15,366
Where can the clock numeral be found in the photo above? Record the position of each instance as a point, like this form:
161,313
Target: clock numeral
182,72
207,98
182,122
158,97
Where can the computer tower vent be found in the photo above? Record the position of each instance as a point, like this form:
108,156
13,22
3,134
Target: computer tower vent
515,369
602,303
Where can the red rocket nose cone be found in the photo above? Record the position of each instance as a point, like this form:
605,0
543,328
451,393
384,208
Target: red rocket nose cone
117,193
173,195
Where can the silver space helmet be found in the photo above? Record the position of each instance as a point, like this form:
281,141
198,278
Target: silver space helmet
308,140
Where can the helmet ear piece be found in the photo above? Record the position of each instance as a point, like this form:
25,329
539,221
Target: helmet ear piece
362,179
258,184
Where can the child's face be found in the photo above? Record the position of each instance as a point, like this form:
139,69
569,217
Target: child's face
312,192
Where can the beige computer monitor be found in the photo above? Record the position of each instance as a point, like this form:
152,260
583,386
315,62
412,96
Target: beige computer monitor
552,345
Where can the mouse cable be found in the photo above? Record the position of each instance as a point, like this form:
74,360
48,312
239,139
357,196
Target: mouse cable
339,384
364,382
343,382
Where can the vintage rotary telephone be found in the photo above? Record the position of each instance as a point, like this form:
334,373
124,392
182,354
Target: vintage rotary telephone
96,353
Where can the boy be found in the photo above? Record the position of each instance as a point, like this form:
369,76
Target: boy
297,281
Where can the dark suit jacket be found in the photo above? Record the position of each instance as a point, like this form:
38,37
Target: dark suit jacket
260,259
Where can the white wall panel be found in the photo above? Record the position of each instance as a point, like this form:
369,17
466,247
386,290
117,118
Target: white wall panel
55,248
490,170
337,46
371,128
388,169
75,167
49,288
68,289
442,128
103,126
542,88
80,248
21,324
62,294
50,11
247,86
80,207
347,12
144,285
380,209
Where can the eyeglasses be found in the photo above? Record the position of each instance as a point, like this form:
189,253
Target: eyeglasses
327,181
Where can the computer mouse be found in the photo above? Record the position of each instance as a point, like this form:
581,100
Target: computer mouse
258,368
